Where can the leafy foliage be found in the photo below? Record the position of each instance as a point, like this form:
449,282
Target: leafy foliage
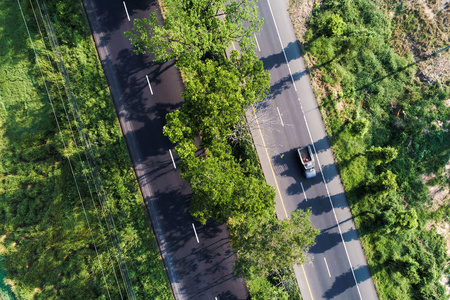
195,30
45,241
226,179
379,155
270,243
397,132
360,127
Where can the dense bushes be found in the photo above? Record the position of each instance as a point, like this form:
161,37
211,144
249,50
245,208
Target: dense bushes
46,243
390,128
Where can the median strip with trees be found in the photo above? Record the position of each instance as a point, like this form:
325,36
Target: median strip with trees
226,180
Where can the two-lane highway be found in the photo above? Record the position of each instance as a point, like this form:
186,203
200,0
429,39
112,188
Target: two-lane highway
337,268
198,259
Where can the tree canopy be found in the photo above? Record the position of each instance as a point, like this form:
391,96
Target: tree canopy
379,155
221,189
270,243
47,248
226,179
195,30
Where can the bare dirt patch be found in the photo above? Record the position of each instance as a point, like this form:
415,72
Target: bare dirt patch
2,246
300,11
436,69
427,9
340,105
440,195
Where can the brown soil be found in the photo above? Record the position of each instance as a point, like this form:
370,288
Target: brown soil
300,11
432,32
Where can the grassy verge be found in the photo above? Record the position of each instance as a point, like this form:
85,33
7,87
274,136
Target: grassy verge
49,251
370,95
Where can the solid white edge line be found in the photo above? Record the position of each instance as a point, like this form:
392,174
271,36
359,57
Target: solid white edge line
173,161
148,81
280,116
195,231
301,184
257,44
126,10
281,43
326,186
332,206
329,274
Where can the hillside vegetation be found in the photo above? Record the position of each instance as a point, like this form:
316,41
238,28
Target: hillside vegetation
49,249
389,127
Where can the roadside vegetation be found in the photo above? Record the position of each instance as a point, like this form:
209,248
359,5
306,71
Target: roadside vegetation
47,248
226,179
388,123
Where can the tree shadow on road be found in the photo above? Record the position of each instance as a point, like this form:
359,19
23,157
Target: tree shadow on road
340,285
283,84
110,12
229,296
292,51
325,241
347,281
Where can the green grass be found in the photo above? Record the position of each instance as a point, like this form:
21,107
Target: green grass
406,260
45,243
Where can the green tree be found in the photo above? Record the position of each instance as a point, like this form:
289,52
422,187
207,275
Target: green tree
379,155
384,182
409,266
269,243
359,127
254,79
335,25
180,133
261,288
221,190
215,98
406,220
399,220
193,30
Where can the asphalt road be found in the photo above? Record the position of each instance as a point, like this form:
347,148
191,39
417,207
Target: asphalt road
199,263
289,118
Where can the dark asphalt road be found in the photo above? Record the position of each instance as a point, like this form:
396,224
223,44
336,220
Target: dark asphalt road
196,270
289,118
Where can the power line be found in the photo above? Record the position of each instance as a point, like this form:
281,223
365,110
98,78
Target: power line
76,144
65,148
90,157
